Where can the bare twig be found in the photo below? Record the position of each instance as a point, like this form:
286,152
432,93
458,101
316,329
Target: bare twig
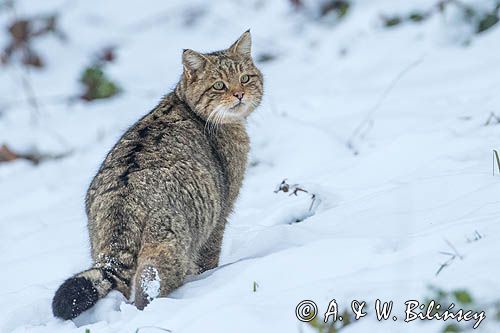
492,118
295,189
455,251
443,266
367,122
313,200
8,155
497,159
283,186
298,189
30,96
477,236
452,256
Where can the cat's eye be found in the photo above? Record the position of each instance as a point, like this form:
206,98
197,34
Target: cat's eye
244,78
219,85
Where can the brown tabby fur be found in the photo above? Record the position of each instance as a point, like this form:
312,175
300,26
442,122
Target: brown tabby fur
158,206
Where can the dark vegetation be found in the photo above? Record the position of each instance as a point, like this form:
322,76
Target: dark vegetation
463,299
25,33
35,157
481,20
96,82
333,326
22,32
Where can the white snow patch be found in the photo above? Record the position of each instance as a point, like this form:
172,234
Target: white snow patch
150,282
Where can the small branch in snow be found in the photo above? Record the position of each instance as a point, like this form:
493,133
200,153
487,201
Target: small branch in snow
367,123
455,251
283,186
477,236
497,159
452,256
446,263
295,189
22,34
492,119
29,91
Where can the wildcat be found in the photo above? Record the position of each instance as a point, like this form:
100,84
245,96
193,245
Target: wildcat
159,203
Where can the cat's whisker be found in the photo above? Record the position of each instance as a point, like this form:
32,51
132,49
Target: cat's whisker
216,122
213,122
207,123
222,118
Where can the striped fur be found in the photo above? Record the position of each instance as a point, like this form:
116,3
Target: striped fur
158,205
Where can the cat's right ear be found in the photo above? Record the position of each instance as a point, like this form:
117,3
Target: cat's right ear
192,61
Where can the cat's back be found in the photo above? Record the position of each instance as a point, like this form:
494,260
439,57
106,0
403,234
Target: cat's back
168,145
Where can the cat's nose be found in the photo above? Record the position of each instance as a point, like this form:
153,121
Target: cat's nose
239,95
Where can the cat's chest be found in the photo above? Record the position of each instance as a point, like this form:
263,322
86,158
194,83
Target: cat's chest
232,145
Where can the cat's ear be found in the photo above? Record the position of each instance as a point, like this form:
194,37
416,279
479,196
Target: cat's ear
243,46
192,60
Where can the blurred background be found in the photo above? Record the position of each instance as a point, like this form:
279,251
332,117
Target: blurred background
64,60
384,112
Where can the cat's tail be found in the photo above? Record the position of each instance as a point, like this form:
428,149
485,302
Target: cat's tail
82,291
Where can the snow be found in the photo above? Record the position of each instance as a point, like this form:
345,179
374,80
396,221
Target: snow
150,282
420,181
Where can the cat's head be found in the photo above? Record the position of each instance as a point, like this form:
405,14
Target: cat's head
223,86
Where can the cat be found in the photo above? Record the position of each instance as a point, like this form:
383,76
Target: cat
158,206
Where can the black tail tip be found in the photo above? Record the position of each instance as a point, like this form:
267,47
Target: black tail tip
74,296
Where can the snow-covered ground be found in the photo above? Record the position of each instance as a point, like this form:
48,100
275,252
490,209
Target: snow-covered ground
420,183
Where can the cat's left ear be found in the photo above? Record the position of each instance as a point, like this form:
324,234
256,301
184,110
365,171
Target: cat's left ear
243,46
